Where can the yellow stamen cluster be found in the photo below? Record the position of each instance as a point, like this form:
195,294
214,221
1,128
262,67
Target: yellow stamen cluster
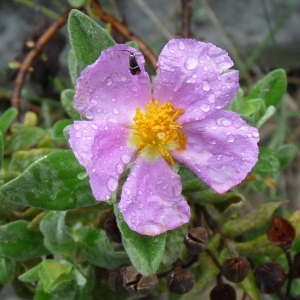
156,129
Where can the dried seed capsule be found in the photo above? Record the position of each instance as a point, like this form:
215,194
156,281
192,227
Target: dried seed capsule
224,292
269,277
180,281
296,265
112,230
281,232
235,269
115,279
196,240
138,284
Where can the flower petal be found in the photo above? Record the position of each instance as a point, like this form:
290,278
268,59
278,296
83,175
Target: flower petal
221,149
151,200
106,90
191,75
101,148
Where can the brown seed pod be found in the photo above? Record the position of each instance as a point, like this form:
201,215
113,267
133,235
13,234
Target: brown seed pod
223,291
115,279
138,284
235,269
269,277
180,281
112,230
281,232
196,240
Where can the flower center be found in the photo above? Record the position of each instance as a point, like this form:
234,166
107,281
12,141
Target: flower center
156,131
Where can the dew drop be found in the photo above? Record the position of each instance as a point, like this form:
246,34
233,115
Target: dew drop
94,126
205,68
76,127
165,186
127,191
78,134
109,82
123,78
213,127
134,88
206,86
120,168
112,184
223,122
177,190
219,157
212,98
224,65
205,107
194,75
255,133
113,99
191,63
125,158
140,205
230,138
93,170
181,45
115,111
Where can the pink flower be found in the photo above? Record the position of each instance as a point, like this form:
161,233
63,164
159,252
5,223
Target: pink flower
182,120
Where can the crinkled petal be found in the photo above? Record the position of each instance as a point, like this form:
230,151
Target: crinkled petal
106,90
101,147
221,149
151,200
191,75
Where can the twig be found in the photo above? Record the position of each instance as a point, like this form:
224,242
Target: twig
31,56
125,32
187,9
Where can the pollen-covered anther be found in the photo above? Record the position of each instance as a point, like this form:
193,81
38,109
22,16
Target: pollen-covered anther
157,128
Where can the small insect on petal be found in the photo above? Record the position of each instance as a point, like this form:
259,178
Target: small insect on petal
133,65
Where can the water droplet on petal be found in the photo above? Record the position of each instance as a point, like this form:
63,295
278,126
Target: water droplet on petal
93,170
112,184
109,82
78,134
225,65
94,126
206,86
230,138
181,45
191,63
219,157
255,133
205,107
76,127
205,68
165,186
194,75
115,111
134,88
177,190
213,127
125,158
223,122
120,168
212,98
127,191
113,99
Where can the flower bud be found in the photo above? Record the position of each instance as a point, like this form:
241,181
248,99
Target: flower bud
296,265
112,229
138,284
269,277
281,232
196,240
115,279
235,269
223,291
180,281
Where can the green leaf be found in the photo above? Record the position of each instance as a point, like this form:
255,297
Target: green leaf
66,293
145,252
254,220
72,66
87,38
1,149
84,292
174,244
21,160
268,162
249,286
51,183
58,130
7,270
7,118
271,88
270,111
76,3
24,138
252,106
94,245
19,243
57,239
286,154
67,97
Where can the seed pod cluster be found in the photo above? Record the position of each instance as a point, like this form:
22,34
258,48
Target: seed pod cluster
180,281
196,240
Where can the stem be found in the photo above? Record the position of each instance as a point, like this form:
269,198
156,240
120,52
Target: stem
187,10
290,274
214,258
